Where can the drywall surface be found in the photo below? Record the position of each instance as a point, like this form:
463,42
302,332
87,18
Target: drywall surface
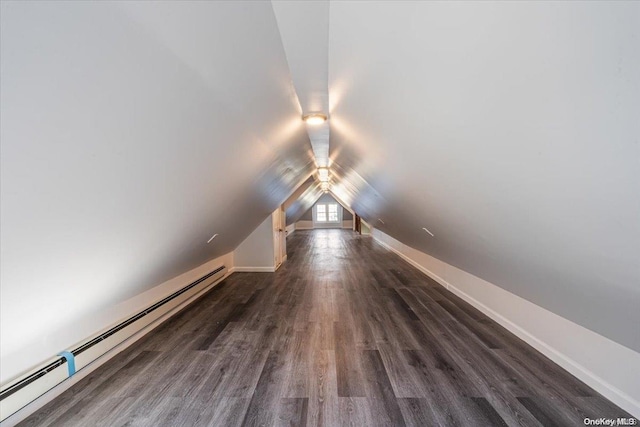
365,228
608,367
301,200
16,360
509,130
308,215
324,200
320,198
125,146
304,225
298,192
256,252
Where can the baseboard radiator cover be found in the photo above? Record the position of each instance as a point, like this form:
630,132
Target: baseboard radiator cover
19,392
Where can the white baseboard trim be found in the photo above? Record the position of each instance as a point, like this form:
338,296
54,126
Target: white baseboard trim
50,395
253,269
304,224
602,386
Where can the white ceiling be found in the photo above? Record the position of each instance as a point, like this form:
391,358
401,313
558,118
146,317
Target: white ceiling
304,27
301,200
133,131
509,130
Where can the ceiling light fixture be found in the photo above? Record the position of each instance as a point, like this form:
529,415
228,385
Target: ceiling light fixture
428,231
325,186
314,118
323,174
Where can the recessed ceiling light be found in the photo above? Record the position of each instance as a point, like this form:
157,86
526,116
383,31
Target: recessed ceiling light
212,237
323,174
314,118
428,231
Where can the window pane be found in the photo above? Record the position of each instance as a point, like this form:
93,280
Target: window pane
321,213
333,213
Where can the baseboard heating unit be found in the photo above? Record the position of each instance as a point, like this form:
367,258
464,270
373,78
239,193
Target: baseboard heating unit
19,392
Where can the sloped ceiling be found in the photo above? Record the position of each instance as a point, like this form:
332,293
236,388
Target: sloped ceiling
324,198
304,27
301,200
133,131
508,130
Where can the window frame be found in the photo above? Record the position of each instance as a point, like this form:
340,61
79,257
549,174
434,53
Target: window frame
323,212
329,212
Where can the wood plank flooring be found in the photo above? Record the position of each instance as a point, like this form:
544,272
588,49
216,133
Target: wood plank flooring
344,333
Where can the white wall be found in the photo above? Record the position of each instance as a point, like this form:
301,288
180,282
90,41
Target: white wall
304,225
256,252
608,367
326,199
308,222
16,361
301,201
125,147
290,229
319,225
511,132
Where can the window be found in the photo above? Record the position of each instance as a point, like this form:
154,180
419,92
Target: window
321,213
327,213
333,213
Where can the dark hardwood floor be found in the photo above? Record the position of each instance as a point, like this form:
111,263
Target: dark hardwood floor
344,333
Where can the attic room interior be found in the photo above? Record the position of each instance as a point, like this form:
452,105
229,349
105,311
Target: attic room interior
226,213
